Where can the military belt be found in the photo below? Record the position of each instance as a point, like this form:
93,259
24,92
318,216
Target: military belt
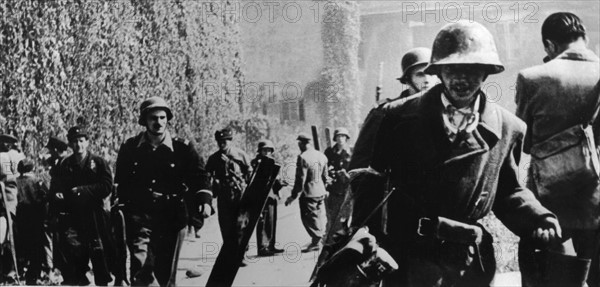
449,230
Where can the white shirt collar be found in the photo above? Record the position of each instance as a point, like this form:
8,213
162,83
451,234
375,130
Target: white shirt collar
167,141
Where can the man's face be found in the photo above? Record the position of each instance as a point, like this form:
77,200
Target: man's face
80,145
156,122
267,152
420,80
341,139
302,145
462,82
223,144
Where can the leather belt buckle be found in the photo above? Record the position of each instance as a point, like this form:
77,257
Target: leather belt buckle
425,227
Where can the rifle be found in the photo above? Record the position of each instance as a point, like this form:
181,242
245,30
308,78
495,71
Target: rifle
326,254
11,235
379,84
328,137
315,135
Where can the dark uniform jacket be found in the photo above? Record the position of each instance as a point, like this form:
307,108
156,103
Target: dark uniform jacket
156,181
433,178
338,160
551,98
277,185
230,176
93,179
363,147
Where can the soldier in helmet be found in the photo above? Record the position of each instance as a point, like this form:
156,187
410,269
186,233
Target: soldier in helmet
451,157
414,76
81,183
338,158
413,72
266,228
154,173
231,170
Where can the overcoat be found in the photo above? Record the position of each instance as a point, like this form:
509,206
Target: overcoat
432,176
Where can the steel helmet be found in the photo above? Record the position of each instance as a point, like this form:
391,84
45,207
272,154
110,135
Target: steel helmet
464,42
153,103
413,58
266,144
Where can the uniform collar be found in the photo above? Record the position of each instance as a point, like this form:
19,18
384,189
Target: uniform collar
167,141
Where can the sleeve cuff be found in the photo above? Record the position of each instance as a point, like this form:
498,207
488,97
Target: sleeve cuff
204,196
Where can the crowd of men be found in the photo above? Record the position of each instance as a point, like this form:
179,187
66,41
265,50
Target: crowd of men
426,167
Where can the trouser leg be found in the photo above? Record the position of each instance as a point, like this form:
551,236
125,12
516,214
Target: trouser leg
312,214
141,257
167,246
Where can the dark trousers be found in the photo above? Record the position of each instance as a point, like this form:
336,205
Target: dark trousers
586,244
32,239
312,213
339,209
76,247
195,219
267,226
154,246
228,210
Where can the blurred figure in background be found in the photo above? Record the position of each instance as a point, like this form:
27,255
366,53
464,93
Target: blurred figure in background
311,177
338,159
230,169
32,209
266,228
82,181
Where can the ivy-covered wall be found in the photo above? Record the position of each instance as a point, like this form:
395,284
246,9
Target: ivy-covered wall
67,62
340,75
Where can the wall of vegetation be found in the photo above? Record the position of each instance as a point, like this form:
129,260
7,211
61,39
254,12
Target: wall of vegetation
70,62
340,75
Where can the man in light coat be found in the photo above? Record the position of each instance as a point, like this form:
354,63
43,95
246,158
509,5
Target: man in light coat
311,177
551,98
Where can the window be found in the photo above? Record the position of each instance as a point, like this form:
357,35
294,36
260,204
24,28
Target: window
293,111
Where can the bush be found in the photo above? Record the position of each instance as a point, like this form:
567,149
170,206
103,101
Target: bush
73,62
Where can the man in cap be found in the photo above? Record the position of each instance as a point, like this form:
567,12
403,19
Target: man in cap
81,183
154,173
551,98
338,158
266,228
311,177
57,152
413,72
57,149
231,170
451,157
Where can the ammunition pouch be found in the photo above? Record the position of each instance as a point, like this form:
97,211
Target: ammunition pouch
456,245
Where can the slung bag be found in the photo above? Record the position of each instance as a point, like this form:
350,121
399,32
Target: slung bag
568,160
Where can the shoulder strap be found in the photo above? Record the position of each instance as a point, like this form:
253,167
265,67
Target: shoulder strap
596,91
